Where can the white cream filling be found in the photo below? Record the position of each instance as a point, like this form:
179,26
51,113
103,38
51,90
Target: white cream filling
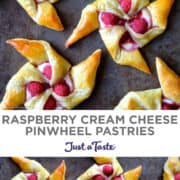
147,16
41,69
69,82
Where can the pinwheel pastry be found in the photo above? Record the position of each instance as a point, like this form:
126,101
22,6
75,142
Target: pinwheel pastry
32,170
43,13
124,26
172,169
48,81
166,98
109,169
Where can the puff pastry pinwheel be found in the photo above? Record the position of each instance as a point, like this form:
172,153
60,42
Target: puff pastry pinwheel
166,98
43,13
124,26
48,81
32,170
172,169
109,169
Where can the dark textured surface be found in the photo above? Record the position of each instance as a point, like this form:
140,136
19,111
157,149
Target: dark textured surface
152,167
113,81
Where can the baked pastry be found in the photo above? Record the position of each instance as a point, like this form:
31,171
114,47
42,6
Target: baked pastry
43,13
109,170
172,169
124,26
167,97
33,170
48,81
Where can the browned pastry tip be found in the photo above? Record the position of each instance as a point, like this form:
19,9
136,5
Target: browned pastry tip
43,13
49,17
133,174
59,172
87,24
169,80
23,163
161,10
32,50
103,160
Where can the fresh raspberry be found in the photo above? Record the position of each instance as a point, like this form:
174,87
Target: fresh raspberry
98,177
50,104
117,178
177,176
35,88
110,19
126,5
126,38
173,106
62,89
139,25
47,71
31,176
107,169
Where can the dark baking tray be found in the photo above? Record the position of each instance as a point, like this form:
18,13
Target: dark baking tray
113,81
152,167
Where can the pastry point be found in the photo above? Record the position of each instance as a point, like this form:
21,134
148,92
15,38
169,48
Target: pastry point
88,23
43,13
169,80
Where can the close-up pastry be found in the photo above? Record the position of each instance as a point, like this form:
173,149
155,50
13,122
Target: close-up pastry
33,170
48,81
124,26
43,13
109,169
172,169
166,98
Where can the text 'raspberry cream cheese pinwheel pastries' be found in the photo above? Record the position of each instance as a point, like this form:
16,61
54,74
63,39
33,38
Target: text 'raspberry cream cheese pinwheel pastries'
124,26
166,98
43,13
48,81
172,169
109,169
32,170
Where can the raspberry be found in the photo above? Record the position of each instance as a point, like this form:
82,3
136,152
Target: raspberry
110,19
47,71
31,176
126,38
177,176
173,106
107,170
62,89
50,104
117,178
139,25
98,177
35,88
126,5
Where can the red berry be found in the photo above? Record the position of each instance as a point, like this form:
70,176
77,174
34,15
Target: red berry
165,106
47,71
173,106
35,88
31,176
98,177
139,25
50,104
62,89
126,5
177,176
107,169
117,178
111,19
126,38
